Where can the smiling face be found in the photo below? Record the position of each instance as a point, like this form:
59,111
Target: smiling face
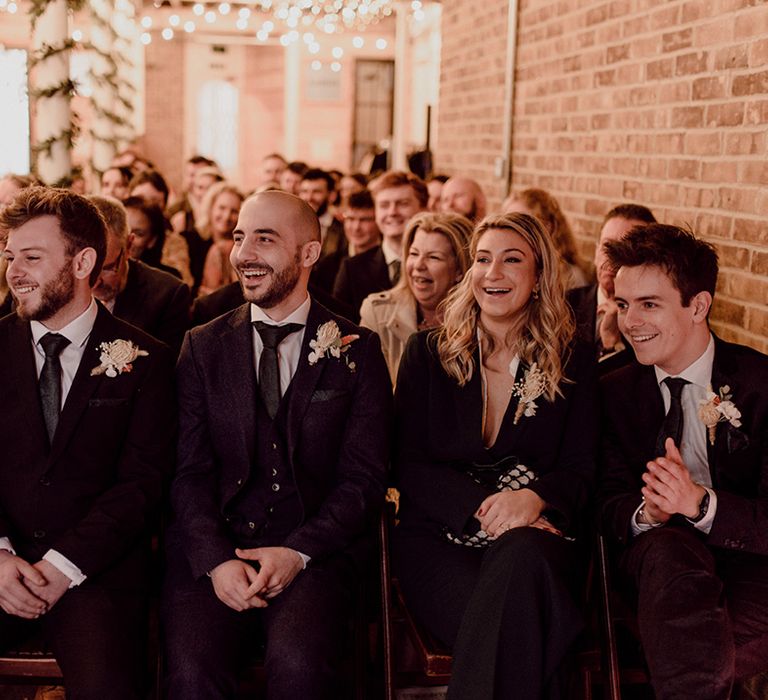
140,237
40,273
113,184
394,207
224,212
274,250
652,317
503,276
458,196
316,194
290,181
360,229
431,268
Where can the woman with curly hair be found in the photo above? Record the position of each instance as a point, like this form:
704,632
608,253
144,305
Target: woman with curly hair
220,209
496,430
546,209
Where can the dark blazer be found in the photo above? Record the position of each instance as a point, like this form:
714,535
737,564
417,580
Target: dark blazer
92,495
229,297
156,302
633,412
360,276
439,436
7,306
337,438
327,268
583,301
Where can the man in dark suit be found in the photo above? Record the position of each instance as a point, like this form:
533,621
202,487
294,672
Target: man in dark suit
595,309
281,471
144,296
87,431
315,189
684,488
397,197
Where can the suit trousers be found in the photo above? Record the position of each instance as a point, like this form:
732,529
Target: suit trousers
507,611
98,637
306,629
702,612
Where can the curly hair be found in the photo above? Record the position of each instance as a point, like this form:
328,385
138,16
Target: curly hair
546,325
211,195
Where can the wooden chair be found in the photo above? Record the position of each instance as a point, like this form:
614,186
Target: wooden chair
29,667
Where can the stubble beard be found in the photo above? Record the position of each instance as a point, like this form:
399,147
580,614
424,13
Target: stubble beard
54,296
283,284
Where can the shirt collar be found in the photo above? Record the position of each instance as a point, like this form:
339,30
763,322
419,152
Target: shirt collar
699,373
299,315
76,331
389,255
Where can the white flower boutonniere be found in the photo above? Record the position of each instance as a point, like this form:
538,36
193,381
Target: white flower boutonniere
529,388
330,343
117,357
717,408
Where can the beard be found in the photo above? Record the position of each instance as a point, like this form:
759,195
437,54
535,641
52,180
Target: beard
283,283
54,296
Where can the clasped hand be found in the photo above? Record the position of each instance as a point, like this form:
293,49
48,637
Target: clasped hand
669,488
240,586
28,590
505,510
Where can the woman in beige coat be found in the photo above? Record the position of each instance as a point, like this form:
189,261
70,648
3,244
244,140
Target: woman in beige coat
435,258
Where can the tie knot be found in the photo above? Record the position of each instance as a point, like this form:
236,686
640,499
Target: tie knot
53,344
675,386
271,335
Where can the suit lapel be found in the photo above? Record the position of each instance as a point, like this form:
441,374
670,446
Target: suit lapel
84,384
307,375
240,377
381,270
723,374
646,404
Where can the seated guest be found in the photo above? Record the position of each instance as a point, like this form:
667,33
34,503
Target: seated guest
546,209
436,254
150,185
280,480
315,189
435,188
463,196
202,177
685,468
144,296
496,415
181,212
115,182
270,169
397,197
88,431
594,306
291,177
361,232
350,184
146,233
220,209
10,186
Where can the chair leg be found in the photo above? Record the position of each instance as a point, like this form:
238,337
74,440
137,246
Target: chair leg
610,658
386,603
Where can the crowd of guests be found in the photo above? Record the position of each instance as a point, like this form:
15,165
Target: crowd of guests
533,396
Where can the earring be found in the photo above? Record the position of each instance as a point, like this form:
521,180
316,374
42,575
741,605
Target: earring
535,293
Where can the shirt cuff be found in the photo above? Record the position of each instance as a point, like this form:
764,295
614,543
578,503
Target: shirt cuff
5,544
705,524
304,559
637,526
66,567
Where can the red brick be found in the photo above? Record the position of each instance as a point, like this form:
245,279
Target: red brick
680,39
690,63
754,172
684,169
704,144
658,70
734,256
709,88
750,231
617,53
728,312
732,57
719,171
753,84
758,53
757,321
760,264
688,117
726,114
756,112
712,225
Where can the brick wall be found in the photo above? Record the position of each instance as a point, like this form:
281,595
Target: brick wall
663,102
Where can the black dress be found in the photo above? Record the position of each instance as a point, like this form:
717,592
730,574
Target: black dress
507,611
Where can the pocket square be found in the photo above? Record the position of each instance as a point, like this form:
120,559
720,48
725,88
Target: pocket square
107,402
327,394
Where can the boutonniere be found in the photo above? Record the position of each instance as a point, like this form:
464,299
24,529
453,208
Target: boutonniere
329,342
528,389
717,408
117,357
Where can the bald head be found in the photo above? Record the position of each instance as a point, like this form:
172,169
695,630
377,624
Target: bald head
464,196
296,212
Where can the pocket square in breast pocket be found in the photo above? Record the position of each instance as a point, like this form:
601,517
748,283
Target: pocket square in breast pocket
327,394
107,402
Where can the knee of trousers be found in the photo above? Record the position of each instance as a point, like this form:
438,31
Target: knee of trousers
672,551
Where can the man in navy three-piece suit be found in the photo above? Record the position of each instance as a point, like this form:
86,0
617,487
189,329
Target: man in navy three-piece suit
684,487
87,425
284,433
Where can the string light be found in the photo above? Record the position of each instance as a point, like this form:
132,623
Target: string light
167,33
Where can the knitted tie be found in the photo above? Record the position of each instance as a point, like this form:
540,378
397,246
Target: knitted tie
50,380
269,367
394,271
673,421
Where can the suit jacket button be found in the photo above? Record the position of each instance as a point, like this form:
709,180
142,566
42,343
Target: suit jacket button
45,481
274,445
270,510
275,487
239,482
252,525
274,472
38,534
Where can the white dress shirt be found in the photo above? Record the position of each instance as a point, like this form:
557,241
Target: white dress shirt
693,443
77,332
288,351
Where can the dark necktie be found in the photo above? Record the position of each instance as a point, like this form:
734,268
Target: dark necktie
50,380
394,271
269,367
673,421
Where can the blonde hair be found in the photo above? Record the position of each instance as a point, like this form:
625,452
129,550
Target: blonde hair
547,210
455,227
211,194
546,325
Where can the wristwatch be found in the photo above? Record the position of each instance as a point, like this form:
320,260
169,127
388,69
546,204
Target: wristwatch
703,508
